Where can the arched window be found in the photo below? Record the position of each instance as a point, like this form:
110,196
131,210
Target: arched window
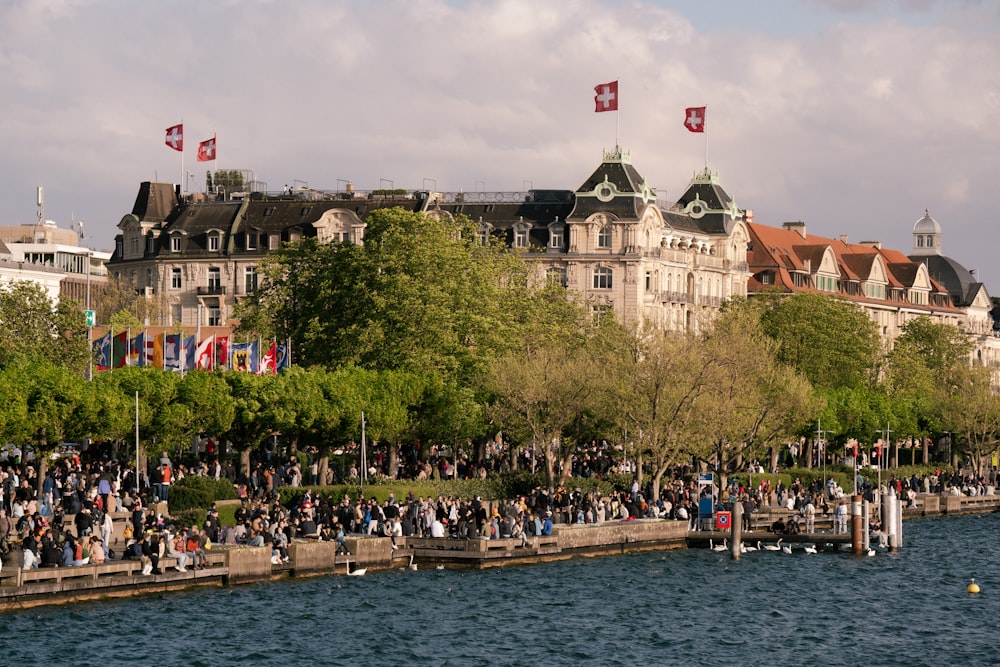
920,241
604,237
930,241
602,278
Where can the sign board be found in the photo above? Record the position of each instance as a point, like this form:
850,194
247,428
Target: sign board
706,507
724,520
91,317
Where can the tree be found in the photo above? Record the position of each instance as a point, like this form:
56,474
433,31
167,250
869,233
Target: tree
753,400
419,295
35,328
659,385
972,412
829,340
119,295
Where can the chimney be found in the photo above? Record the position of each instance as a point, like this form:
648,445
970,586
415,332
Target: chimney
843,239
872,244
797,226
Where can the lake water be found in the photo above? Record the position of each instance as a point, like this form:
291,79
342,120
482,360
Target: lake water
679,607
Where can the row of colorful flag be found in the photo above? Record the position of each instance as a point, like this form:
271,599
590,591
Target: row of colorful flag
179,353
606,99
175,139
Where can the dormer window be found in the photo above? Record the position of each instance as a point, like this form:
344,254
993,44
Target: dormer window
521,234
251,240
175,244
213,242
557,235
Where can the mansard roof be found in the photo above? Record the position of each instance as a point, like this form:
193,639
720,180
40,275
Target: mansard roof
706,201
616,188
154,202
957,279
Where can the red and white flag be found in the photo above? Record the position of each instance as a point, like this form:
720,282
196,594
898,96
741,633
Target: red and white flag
204,354
267,360
694,119
175,137
206,150
606,98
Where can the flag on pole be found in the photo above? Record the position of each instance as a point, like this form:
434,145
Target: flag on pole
267,359
157,358
245,357
119,350
175,137
172,352
222,351
205,353
283,356
137,350
694,119
102,349
187,353
206,150
606,98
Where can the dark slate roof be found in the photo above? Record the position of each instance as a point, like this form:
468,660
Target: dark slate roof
716,199
154,202
959,281
624,179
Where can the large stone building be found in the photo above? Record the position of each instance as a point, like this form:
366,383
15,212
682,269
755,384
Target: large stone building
671,265
668,265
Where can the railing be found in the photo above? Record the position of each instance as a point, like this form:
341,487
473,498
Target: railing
211,290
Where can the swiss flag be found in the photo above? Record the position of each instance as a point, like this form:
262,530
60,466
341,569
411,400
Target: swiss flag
606,98
175,137
206,150
694,119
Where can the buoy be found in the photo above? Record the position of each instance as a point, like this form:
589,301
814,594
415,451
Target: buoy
973,587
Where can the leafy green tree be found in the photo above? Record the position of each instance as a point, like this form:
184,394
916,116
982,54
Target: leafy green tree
829,340
33,327
419,295
252,417
972,412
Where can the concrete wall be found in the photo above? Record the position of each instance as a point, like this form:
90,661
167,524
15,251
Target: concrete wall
248,563
312,556
650,531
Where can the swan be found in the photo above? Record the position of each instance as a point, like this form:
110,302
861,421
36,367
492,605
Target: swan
786,548
718,547
871,551
358,572
750,548
413,566
773,547
809,548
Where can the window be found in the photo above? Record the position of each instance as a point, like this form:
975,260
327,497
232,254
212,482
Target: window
920,241
150,245
520,237
649,281
135,245
214,279
175,279
604,237
250,279
213,243
251,241
602,278
214,316
556,235
149,278
556,276
119,247
930,241
175,244
177,312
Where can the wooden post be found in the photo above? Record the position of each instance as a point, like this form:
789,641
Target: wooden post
736,530
856,525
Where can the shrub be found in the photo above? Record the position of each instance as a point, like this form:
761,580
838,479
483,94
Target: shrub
195,492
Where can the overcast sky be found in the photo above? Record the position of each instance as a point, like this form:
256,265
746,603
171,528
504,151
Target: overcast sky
851,115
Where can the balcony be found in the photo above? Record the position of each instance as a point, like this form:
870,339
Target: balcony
211,290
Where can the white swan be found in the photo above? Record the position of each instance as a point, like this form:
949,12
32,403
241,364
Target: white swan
786,548
809,548
718,547
773,547
871,551
359,572
413,566
750,548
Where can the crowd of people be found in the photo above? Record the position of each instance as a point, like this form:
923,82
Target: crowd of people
36,525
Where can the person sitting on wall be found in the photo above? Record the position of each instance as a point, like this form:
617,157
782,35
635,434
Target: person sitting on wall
778,526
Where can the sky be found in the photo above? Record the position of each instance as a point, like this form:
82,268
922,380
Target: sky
853,116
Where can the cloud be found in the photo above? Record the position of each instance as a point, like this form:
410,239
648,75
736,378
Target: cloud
855,127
